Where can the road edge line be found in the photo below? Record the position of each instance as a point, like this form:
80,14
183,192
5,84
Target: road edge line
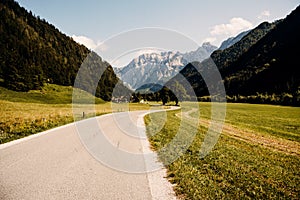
160,187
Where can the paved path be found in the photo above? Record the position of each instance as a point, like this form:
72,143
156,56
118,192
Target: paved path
56,165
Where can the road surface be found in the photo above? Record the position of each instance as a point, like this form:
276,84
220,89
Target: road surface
69,163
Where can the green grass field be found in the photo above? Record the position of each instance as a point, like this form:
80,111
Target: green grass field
257,155
26,113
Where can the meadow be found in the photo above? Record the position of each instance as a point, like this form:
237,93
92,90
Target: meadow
26,113
257,155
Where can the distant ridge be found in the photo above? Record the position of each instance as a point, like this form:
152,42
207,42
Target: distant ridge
231,41
158,68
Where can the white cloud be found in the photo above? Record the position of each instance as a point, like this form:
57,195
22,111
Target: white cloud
89,43
99,47
235,26
264,14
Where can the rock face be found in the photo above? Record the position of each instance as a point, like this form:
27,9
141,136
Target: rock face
158,68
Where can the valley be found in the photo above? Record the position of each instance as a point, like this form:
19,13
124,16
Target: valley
154,113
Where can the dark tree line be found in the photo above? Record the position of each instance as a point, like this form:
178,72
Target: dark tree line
165,95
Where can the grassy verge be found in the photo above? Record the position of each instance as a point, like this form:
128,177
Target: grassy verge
237,168
23,114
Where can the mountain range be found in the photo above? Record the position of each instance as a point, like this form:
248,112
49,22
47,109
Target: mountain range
263,67
158,68
257,66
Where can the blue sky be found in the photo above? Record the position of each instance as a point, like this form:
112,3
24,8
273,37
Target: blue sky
93,21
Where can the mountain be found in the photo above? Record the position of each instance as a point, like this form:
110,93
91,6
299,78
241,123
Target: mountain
271,65
223,58
158,68
200,54
149,88
232,40
261,68
151,68
34,52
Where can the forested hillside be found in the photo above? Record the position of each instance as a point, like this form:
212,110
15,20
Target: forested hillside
34,52
260,68
223,58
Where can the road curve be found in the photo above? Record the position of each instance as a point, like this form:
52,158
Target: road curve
62,164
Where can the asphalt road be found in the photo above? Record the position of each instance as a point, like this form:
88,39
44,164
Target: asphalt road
99,158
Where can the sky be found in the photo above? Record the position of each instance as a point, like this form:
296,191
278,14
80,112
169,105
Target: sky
93,22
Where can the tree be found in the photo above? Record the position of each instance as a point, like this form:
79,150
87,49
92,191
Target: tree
164,95
135,97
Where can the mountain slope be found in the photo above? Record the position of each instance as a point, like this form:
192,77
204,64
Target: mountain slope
224,58
231,41
264,61
271,65
33,52
158,68
221,58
